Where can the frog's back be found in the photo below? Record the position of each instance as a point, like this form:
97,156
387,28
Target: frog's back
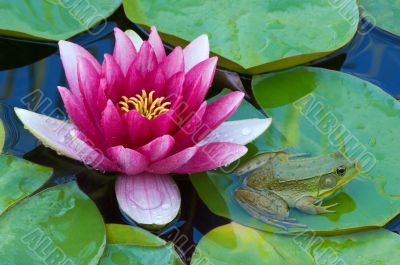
264,174
261,163
304,168
281,167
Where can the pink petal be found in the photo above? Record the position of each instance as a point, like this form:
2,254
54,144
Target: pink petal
60,136
173,162
138,128
146,61
80,117
135,83
89,82
130,162
186,136
156,43
158,148
237,132
219,111
148,199
212,156
124,50
197,51
91,156
101,95
70,53
173,89
156,81
112,125
166,123
113,76
198,81
173,63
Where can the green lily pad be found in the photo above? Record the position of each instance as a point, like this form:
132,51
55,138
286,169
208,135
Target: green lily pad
130,235
253,37
59,225
128,245
138,255
236,244
53,19
383,13
18,179
318,111
2,136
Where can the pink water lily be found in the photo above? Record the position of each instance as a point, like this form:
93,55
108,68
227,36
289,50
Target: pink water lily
143,113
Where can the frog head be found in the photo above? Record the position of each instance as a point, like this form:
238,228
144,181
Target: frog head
341,174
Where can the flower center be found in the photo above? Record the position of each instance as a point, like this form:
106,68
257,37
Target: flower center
145,104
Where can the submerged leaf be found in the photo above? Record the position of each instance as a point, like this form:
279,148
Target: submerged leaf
236,244
257,36
18,179
59,225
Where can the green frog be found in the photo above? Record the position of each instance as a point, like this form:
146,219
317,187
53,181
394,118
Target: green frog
278,181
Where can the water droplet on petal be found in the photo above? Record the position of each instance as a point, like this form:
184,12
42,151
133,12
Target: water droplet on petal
165,206
246,131
146,200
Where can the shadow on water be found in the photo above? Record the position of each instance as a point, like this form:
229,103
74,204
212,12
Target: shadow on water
31,71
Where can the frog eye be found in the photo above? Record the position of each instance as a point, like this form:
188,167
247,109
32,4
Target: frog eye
328,182
341,171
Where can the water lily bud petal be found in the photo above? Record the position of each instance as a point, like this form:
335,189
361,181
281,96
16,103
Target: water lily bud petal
150,200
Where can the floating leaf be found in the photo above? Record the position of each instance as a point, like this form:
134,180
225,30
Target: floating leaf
319,111
59,225
130,235
236,244
18,179
383,13
53,19
253,37
133,255
132,245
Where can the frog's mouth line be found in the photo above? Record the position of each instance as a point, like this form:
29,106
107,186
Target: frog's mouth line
338,185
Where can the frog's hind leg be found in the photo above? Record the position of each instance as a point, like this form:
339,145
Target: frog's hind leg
312,205
265,206
283,224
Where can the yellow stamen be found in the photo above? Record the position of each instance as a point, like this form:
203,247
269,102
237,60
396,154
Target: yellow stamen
145,105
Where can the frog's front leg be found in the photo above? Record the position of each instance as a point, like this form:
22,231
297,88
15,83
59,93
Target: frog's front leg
308,205
265,206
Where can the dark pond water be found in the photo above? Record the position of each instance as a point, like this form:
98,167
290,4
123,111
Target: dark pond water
28,67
